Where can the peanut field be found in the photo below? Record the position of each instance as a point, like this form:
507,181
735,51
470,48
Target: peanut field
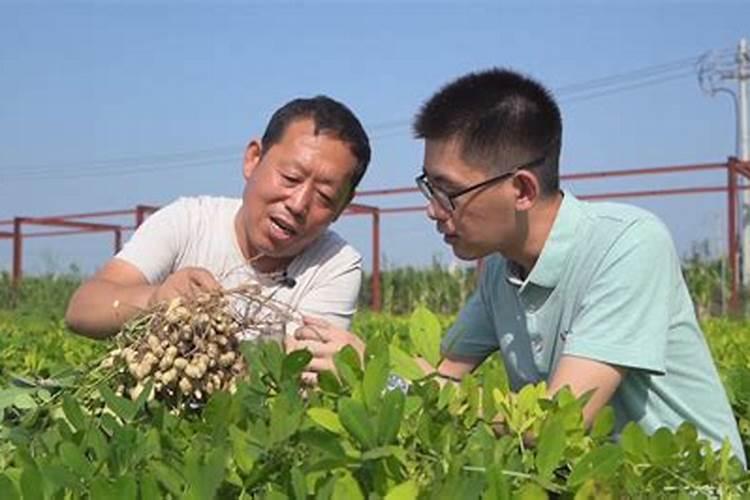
66,430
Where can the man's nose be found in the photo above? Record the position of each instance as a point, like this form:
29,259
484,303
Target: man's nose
298,201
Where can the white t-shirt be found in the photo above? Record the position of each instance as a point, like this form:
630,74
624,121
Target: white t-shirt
322,281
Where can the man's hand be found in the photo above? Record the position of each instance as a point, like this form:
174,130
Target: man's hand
323,340
186,282
119,291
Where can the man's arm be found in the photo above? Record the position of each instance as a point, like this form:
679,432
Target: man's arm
582,375
118,291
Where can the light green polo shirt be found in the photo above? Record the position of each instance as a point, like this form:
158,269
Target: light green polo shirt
607,286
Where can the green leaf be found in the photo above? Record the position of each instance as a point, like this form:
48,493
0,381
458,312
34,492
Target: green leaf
404,365
348,366
604,423
294,364
123,408
550,448
373,383
95,440
633,440
32,483
390,416
61,478
346,488
244,452
74,458
18,397
321,441
425,333
498,486
204,478
147,486
101,488
8,490
326,419
286,416
531,491
328,382
125,488
407,490
299,485
662,446
383,452
7,396
600,463
356,421
73,413
217,412
169,478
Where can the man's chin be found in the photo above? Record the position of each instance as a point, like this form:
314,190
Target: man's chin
468,254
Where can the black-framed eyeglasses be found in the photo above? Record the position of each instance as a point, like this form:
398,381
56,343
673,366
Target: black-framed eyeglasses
445,200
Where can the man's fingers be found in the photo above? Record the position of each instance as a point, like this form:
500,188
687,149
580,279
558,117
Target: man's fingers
317,348
310,378
312,332
313,321
321,365
204,280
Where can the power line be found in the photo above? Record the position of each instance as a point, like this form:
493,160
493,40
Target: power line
591,89
624,88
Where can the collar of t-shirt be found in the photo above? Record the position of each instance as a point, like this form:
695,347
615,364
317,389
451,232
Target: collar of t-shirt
557,249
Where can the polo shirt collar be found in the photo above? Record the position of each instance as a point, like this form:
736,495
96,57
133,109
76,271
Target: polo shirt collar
557,249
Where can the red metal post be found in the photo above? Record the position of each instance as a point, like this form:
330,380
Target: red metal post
118,239
376,305
139,215
141,211
17,250
732,235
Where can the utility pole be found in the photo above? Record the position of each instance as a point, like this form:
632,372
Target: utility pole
714,70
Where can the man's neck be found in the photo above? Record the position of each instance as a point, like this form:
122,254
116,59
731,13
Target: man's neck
540,220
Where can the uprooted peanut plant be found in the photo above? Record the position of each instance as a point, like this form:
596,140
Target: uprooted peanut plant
189,348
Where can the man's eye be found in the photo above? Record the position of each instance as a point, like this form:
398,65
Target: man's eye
289,178
325,198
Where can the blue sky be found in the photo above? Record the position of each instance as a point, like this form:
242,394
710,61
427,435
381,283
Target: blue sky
98,98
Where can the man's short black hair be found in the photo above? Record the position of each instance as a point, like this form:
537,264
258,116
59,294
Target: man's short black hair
498,117
330,117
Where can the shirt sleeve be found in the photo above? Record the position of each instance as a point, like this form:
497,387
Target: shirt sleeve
156,244
473,334
624,315
334,295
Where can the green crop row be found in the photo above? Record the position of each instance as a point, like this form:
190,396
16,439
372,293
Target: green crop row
67,435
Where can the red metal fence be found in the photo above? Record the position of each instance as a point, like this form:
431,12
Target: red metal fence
73,223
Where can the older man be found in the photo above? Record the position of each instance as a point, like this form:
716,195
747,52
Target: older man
299,177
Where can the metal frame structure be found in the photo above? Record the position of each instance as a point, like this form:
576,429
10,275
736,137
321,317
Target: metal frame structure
735,169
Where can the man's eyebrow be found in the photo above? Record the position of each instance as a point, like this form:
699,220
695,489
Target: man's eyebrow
291,163
298,168
441,181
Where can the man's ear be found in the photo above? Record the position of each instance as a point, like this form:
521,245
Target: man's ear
527,189
253,155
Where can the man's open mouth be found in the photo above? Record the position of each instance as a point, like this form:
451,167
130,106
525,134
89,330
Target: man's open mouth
284,226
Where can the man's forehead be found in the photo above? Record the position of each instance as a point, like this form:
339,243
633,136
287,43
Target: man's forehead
444,164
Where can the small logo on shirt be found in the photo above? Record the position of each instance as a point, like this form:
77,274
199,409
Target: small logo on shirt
564,335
